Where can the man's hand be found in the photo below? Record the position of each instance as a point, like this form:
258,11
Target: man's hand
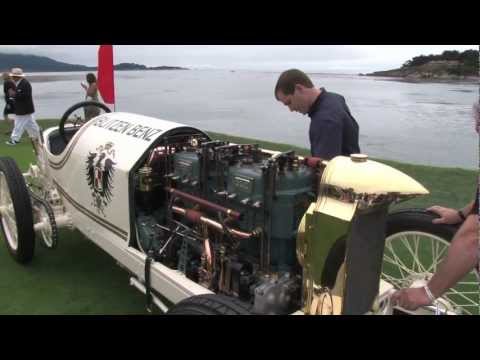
447,215
411,299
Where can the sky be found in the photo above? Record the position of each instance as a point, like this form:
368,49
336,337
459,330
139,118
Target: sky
312,58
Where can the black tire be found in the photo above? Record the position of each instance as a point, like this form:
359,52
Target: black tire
73,108
210,304
418,220
397,222
22,206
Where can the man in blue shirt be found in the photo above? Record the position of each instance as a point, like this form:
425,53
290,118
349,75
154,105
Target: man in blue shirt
333,130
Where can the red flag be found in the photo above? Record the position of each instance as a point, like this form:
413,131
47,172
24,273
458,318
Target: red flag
106,84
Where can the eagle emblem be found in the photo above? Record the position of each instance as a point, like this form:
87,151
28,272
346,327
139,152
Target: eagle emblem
100,170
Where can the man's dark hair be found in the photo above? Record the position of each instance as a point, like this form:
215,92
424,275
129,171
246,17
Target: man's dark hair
288,79
91,78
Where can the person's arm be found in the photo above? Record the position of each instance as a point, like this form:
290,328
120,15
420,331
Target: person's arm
461,258
326,139
84,86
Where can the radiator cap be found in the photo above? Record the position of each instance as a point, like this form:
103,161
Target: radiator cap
359,157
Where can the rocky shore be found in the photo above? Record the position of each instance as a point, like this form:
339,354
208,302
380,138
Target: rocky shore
433,71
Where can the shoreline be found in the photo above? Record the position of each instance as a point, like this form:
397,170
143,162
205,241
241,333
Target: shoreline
468,81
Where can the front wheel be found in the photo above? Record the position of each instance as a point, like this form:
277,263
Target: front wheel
414,247
16,218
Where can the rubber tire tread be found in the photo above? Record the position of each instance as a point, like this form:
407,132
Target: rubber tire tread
23,210
418,220
210,304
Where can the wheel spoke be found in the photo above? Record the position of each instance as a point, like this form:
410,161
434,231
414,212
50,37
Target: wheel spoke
463,292
398,283
416,241
400,266
435,259
468,283
454,292
10,217
400,263
406,244
416,260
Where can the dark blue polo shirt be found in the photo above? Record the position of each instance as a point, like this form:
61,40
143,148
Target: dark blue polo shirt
333,130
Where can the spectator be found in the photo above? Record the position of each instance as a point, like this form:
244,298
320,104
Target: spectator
24,109
9,103
333,130
91,94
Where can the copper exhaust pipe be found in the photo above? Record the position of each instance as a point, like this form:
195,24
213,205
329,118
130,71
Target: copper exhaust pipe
232,213
197,217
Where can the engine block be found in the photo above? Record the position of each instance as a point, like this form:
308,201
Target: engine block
226,215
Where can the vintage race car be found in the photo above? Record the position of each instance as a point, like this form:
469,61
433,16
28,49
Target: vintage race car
210,227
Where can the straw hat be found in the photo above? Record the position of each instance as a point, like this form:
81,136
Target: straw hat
17,72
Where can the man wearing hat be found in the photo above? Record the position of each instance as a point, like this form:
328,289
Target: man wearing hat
24,109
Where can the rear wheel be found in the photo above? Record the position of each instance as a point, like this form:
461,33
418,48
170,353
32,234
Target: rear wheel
414,247
16,219
209,304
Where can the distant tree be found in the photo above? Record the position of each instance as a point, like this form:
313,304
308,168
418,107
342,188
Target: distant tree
450,55
420,60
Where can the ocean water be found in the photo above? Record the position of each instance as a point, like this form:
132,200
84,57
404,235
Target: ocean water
422,123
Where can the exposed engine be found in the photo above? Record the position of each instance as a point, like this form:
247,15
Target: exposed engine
226,216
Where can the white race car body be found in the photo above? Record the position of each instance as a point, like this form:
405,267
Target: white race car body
110,226
188,216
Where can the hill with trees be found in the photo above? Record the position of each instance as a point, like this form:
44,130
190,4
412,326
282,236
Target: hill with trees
450,65
34,63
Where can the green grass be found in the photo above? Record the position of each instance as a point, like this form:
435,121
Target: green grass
79,278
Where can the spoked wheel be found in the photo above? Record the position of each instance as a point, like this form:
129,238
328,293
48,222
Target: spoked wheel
16,212
209,304
75,120
414,247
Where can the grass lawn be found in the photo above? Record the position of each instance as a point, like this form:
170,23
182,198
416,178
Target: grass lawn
79,278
